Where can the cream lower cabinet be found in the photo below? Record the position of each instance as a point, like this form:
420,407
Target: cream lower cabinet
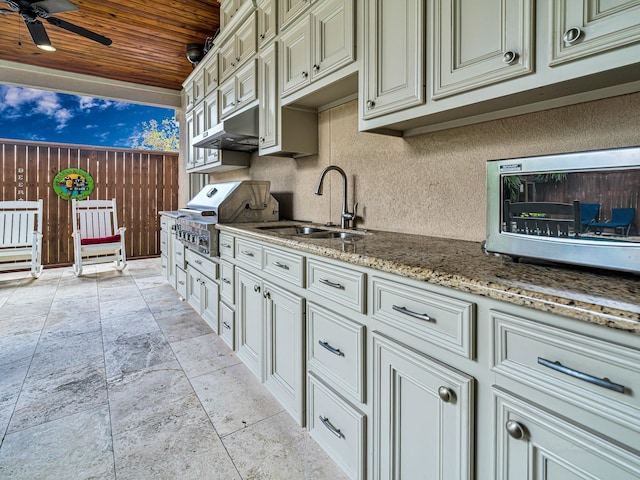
167,248
202,290
250,321
284,358
422,416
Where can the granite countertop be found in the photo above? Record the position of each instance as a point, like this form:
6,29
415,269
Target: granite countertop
606,298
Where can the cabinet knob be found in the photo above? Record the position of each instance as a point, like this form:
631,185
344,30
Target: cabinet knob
509,57
266,295
316,68
238,59
262,36
370,104
256,288
261,139
305,74
571,35
515,430
446,394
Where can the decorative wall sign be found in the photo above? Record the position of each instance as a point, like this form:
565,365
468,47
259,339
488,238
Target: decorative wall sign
73,183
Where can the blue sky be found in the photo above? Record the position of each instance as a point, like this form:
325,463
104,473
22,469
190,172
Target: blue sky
40,115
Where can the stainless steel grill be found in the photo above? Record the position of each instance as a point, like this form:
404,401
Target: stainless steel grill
227,202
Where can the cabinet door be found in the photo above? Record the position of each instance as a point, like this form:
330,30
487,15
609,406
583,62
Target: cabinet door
246,46
587,27
266,22
394,58
284,354
227,92
250,325
228,9
423,416
533,444
227,59
209,302
194,290
479,43
295,58
211,120
288,10
268,97
246,84
227,325
199,120
333,37
188,136
211,74
171,263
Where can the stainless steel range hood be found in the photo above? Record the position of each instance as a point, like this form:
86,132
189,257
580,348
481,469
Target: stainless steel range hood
239,133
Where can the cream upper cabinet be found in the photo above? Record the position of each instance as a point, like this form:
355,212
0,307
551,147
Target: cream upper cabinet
394,56
423,412
210,74
318,44
288,10
268,97
239,48
587,27
479,43
332,31
238,91
295,55
231,10
267,22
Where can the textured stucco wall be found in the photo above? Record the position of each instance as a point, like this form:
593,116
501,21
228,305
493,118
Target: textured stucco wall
432,184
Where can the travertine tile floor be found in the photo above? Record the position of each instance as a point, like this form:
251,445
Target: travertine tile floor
111,376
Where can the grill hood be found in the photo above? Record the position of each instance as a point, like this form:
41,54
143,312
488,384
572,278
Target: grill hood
239,133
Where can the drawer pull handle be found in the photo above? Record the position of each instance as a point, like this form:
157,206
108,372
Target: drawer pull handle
601,382
281,265
331,284
225,245
335,351
247,253
224,280
179,254
515,430
197,262
421,316
226,325
336,431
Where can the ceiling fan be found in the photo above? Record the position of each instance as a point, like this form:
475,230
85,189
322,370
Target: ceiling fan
32,10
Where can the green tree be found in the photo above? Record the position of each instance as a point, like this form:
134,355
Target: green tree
164,136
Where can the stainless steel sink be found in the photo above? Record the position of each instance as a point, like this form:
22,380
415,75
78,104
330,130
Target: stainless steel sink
311,232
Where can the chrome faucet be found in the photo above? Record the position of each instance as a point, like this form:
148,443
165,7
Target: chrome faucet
347,217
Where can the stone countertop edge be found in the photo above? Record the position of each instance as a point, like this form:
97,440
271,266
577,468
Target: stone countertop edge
171,213
595,296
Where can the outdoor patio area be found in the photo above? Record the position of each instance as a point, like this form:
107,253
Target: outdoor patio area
111,376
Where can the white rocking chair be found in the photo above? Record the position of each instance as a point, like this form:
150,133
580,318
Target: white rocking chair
21,236
96,235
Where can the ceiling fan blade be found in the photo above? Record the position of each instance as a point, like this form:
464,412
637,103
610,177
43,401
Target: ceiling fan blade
55,6
38,33
79,30
4,11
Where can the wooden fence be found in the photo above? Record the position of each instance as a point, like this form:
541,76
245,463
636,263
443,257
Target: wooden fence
143,183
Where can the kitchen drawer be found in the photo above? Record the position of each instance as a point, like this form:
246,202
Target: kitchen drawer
438,319
164,223
226,281
590,380
338,284
286,266
227,325
204,265
181,282
248,253
337,427
226,245
178,254
336,351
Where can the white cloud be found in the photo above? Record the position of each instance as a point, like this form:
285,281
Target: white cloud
89,103
20,102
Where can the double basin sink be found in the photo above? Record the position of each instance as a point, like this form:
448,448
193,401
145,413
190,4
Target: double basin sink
311,232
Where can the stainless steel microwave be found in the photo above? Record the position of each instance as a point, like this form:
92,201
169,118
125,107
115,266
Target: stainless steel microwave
579,208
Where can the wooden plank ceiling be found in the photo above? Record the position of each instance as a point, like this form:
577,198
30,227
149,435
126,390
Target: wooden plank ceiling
149,39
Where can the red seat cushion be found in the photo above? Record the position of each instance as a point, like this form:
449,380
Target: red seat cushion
96,241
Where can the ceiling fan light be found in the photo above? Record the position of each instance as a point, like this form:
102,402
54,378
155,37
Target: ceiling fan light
47,47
